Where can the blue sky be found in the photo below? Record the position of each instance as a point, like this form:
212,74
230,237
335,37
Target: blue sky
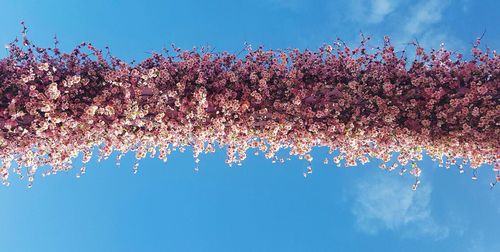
259,206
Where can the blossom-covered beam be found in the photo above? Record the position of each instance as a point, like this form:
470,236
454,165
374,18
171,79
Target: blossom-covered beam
365,102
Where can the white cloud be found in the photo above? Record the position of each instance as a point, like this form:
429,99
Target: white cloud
424,14
388,203
423,22
381,8
407,19
372,11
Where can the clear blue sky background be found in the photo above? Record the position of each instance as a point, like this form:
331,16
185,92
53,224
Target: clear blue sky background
259,206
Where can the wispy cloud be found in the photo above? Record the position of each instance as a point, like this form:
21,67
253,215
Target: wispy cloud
373,11
424,23
388,203
425,13
417,14
405,20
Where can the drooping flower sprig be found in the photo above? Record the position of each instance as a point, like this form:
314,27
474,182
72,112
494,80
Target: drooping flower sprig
365,102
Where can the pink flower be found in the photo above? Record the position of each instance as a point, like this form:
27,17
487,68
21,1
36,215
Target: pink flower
482,90
366,104
475,112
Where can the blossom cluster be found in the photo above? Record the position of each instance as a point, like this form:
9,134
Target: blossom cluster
366,102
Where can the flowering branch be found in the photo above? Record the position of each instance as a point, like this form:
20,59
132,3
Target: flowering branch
361,101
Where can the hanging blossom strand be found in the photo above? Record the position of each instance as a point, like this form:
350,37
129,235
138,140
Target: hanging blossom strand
368,103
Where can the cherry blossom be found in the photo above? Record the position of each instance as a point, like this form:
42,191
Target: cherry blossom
367,104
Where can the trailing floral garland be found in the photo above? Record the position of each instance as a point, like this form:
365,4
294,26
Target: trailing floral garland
365,102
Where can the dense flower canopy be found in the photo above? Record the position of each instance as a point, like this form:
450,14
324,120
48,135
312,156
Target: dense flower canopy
365,102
